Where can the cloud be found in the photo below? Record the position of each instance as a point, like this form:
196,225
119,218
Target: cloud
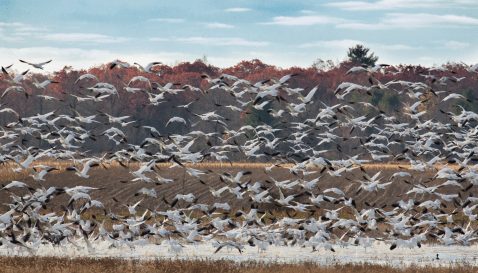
237,9
15,24
167,20
333,44
427,20
218,25
345,44
307,11
159,39
83,37
416,20
221,41
29,28
20,27
455,45
304,20
398,4
363,26
85,59
81,58
10,38
399,47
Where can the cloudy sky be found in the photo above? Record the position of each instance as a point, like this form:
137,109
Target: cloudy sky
285,33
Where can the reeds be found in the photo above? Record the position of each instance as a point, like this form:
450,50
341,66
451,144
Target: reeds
55,264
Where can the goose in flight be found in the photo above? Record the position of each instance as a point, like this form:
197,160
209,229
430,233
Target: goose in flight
119,65
229,77
147,192
217,193
309,96
38,176
236,245
14,184
126,86
139,78
261,106
285,201
80,195
186,197
16,88
6,67
148,67
15,80
167,88
177,119
284,79
132,209
441,69
237,178
86,76
80,118
211,80
89,164
38,65
473,69
49,98
43,84
455,96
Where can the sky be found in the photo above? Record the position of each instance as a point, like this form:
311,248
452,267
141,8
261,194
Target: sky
288,33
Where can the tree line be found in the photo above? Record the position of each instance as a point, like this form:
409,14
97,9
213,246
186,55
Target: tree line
136,105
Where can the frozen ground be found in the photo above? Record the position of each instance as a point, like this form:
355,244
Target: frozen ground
379,253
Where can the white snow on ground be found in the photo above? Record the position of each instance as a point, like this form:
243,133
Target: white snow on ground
379,253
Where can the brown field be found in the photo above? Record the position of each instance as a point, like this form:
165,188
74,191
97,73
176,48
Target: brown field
54,264
110,178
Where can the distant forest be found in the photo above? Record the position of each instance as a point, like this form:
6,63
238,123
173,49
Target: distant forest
327,75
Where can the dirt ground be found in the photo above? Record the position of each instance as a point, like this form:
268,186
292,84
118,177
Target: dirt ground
111,187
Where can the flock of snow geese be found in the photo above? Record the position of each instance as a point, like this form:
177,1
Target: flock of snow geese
427,145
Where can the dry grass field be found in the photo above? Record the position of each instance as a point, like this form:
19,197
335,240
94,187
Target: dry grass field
53,265
110,181
111,187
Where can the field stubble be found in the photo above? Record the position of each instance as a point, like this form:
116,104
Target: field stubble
109,179
56,264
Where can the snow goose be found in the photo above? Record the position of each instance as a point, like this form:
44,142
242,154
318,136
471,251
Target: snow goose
16,88
14,184
473,69
148,192
148,67
261,106
15,80
38,65
309,96
126,86
176,119
49,98
119,65
43,84
86,76
85,169
39,176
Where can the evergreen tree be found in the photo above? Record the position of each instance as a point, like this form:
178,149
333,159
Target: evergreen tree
258,117
358,55
468,106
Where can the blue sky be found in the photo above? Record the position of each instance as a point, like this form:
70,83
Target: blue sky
282,33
